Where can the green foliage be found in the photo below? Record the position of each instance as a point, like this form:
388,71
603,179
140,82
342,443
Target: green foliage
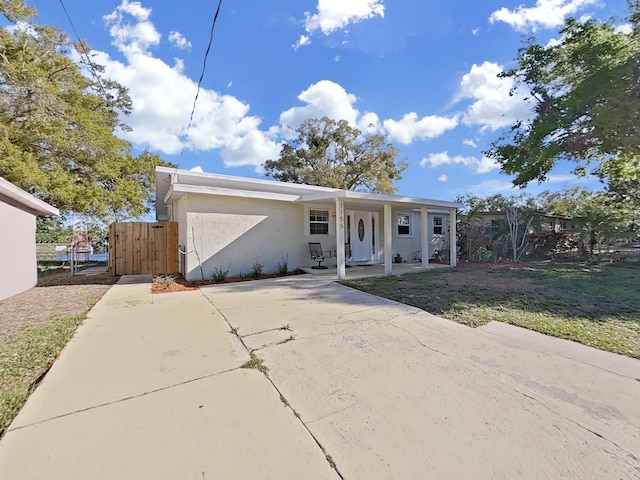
483,255
256,269
334,154
57,126
283,266
586,95
219,275
52,230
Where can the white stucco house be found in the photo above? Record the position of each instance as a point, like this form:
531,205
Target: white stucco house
226,221
18,211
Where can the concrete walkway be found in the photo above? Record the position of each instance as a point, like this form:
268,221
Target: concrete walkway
358,387
150,388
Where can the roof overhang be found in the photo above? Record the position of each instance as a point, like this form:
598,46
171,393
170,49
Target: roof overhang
172,184
18,198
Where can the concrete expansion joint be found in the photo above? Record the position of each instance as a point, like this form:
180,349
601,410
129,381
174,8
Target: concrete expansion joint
121,400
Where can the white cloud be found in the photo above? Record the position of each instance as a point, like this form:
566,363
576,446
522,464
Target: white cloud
443,178
469,143
480,165
324,98
136,37
303,40
545,14
179,40
625,28
159,120
410,127
493,106
475,31
197,169
334,15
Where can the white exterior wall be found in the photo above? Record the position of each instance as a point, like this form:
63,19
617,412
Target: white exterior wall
236,232
19,271
407,246
178,213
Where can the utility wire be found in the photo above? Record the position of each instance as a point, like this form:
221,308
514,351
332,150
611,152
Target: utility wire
86,55
204,67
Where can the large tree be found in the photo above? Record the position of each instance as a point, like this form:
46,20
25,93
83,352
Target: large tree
58,121
586,94
332,153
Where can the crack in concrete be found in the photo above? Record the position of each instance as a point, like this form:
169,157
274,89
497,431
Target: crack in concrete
332,413
275,329
283,399
516,390
124,399
578,424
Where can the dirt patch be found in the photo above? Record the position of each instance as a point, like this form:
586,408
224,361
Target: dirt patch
180,285
56,294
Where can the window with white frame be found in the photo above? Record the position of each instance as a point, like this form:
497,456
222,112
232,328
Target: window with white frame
437,225
404,225
318,222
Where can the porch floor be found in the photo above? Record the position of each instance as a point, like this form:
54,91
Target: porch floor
374,270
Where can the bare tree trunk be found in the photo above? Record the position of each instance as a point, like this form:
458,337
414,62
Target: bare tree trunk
514,222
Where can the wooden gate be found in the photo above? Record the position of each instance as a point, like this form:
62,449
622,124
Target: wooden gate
137,247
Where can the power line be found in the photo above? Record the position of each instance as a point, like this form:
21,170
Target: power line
204,67
86,55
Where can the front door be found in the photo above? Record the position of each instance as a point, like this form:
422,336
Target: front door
361,237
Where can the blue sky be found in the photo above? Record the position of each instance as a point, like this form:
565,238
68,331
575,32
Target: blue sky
422,72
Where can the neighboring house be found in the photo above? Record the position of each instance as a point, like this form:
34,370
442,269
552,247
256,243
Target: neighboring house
233,222
548,223
18,211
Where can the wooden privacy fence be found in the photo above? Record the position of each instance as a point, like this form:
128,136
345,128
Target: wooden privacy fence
137,247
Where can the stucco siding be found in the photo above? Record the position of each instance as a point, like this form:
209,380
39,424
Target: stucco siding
234,233
18,268
179,214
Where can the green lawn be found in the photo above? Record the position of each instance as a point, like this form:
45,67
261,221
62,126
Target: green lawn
25,357
598,305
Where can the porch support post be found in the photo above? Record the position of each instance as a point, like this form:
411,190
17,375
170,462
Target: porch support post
453,246
424,237
340,239
388,239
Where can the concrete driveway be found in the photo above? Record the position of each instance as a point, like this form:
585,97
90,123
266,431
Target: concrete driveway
358,388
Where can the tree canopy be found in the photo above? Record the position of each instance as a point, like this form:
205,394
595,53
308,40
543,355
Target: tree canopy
58,127
334,154
586,94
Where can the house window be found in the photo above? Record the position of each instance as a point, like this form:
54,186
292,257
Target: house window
563,225
373,235
404,225
437,225
318,222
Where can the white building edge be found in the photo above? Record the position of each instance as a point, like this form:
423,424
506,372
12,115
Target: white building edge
228,222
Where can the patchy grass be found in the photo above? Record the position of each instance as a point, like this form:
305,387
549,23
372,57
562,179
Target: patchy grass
598,305
25,357
257,363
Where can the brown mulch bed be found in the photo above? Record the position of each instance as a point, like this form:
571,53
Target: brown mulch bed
56,294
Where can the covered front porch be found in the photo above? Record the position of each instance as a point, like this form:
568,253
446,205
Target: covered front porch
371,229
